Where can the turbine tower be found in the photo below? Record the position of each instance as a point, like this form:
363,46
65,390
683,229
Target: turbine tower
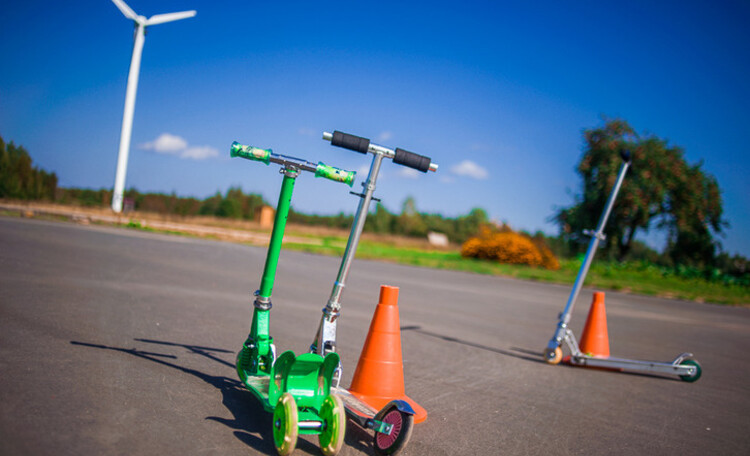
135,64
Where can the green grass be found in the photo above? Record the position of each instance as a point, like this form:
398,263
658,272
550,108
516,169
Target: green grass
629,277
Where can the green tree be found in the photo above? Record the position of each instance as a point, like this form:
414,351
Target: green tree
381,221
410,221
210,205
468,225
661,190
18,179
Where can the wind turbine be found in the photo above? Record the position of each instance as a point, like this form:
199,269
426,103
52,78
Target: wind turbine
135,64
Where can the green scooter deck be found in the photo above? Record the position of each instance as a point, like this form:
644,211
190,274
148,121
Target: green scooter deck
258,385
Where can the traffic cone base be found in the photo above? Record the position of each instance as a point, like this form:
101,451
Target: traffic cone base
379,377
595,338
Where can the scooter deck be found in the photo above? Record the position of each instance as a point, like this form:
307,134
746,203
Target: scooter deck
258,385
355,407
632,365
365,415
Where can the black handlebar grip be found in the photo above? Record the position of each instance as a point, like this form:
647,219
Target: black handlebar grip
625,155
412,160
350,142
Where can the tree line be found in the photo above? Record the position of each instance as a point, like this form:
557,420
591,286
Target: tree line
661,191
409,222
19,179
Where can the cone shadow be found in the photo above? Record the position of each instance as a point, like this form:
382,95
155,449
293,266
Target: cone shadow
521,353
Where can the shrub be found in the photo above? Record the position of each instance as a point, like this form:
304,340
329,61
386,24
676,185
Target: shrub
549,260
509,247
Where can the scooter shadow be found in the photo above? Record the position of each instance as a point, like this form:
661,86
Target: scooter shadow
251,424
515,352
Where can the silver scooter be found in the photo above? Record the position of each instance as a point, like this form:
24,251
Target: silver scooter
394,422
683,365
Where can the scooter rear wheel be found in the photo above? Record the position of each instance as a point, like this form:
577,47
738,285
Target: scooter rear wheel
553,356
403,424
331,438
696,375
285,424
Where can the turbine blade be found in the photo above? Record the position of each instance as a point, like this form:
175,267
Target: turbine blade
125,9
169,17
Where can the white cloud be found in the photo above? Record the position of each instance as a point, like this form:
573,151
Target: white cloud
363,170
409,173
167,143
468,168
385,136
199,152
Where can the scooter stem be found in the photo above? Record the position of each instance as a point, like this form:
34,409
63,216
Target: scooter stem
596,236
277,235
259,350
325,339
334,302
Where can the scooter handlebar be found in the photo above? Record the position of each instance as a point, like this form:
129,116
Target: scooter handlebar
363,145
335,174
412,160
267,156
250,153
351,142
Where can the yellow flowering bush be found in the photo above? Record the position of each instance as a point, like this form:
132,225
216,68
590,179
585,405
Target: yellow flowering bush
509,247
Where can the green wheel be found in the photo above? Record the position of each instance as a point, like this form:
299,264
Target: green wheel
696,375
285,425
402,422
331,437
553,356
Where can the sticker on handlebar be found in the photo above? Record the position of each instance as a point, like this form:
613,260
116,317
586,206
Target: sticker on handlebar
335,174
250,152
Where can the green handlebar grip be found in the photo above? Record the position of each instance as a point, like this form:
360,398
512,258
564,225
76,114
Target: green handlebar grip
250,152
335,174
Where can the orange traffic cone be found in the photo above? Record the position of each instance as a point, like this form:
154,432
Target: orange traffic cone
594,338
379,377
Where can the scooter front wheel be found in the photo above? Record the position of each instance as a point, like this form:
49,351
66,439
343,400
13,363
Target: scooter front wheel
285,425
553,356
331,438
402,422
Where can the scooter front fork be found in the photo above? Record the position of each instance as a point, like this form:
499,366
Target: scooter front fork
325,338
256,356
553,352
258,352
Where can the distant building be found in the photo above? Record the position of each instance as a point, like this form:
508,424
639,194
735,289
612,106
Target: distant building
266,216
437,239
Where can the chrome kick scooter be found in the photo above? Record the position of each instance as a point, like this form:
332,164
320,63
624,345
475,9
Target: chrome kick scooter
683,365
393,423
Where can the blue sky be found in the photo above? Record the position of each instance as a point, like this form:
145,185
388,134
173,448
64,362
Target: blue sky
497,93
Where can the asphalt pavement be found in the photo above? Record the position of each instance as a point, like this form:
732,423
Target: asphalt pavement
117,341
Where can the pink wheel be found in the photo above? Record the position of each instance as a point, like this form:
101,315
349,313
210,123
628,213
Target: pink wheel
393,443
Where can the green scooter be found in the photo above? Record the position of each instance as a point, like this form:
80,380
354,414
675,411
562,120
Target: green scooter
297,389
